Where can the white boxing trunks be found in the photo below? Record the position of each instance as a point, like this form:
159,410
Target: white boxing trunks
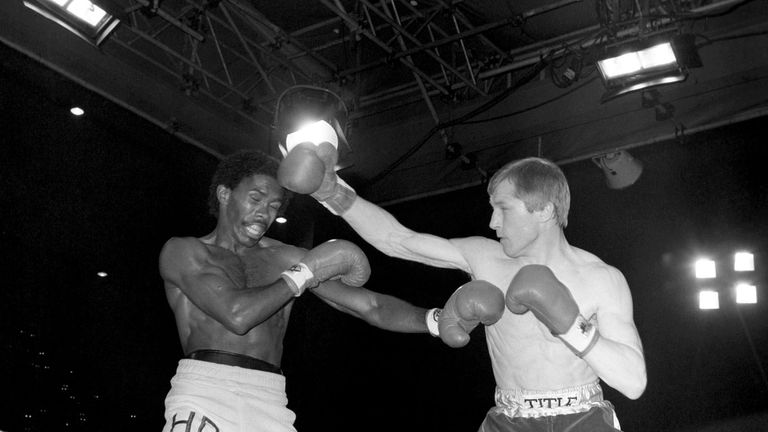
210,397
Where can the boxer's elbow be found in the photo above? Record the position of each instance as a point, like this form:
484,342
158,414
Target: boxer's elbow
238,321
636,386
237,325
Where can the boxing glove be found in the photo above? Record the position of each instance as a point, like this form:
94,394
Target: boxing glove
334,259
536,288
309,167
309,150
471,304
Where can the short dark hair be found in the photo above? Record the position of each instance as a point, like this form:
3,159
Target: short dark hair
238,166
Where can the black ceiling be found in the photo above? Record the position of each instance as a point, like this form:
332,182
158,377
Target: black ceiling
501,79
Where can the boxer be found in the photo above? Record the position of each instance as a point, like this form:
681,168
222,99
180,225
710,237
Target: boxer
232,291
547,359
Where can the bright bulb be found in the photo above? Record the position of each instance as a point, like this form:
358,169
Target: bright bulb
86,11
77,111
746,293
709,300
705,269
315,133
743,261
655,56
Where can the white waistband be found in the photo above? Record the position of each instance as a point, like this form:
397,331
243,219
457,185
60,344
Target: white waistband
224,372
536,403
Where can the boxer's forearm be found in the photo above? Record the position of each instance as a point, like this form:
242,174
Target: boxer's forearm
379,310
620,366
394,314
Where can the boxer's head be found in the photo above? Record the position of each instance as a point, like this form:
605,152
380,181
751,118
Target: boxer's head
536,182
235,168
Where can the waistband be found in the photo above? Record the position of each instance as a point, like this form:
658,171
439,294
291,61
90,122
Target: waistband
234,359
536,403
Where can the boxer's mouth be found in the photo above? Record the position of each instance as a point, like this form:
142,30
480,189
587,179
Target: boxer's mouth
255,230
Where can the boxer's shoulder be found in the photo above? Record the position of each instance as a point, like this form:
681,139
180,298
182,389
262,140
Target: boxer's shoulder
177,248
274,250
477,246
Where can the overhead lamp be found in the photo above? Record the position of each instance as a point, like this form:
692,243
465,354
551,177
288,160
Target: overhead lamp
705,268
746,293
709,299
743,262
303,105
642,64
620,168
90,20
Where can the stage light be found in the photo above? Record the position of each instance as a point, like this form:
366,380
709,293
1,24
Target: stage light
77,111
102,274
620,169
300,105
647,63
87,19
746,293
743,261
281,220
315,132
705,269
709,299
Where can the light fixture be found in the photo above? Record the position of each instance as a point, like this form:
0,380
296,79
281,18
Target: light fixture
281,219
91,20
705,268
746,293
620,168
743,261
301,105
709,299
647,63
77,111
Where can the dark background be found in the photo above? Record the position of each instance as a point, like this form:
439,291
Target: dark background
104,192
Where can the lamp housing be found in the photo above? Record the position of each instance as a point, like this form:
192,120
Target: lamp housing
91,20
646,63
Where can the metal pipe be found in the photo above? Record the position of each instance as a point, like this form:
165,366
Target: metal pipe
404,32
218,50
384,47
171,19
246,48
464,50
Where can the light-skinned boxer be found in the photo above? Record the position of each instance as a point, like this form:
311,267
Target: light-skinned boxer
569,321
232,291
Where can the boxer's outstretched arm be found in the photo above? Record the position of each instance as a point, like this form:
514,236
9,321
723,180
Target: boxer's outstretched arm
617,357
380,228
379,310
185,264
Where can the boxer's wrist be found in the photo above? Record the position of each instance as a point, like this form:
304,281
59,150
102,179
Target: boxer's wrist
298,277
432,317
340,200
581,337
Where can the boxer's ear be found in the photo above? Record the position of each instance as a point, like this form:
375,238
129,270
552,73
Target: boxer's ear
223,193
546,213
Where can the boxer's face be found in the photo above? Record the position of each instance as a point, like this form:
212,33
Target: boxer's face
515,226
252,206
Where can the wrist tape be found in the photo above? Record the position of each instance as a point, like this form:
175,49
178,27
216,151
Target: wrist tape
341,199
432,317
581,337
297,278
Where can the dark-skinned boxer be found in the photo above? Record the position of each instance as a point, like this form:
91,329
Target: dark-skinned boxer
232,292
